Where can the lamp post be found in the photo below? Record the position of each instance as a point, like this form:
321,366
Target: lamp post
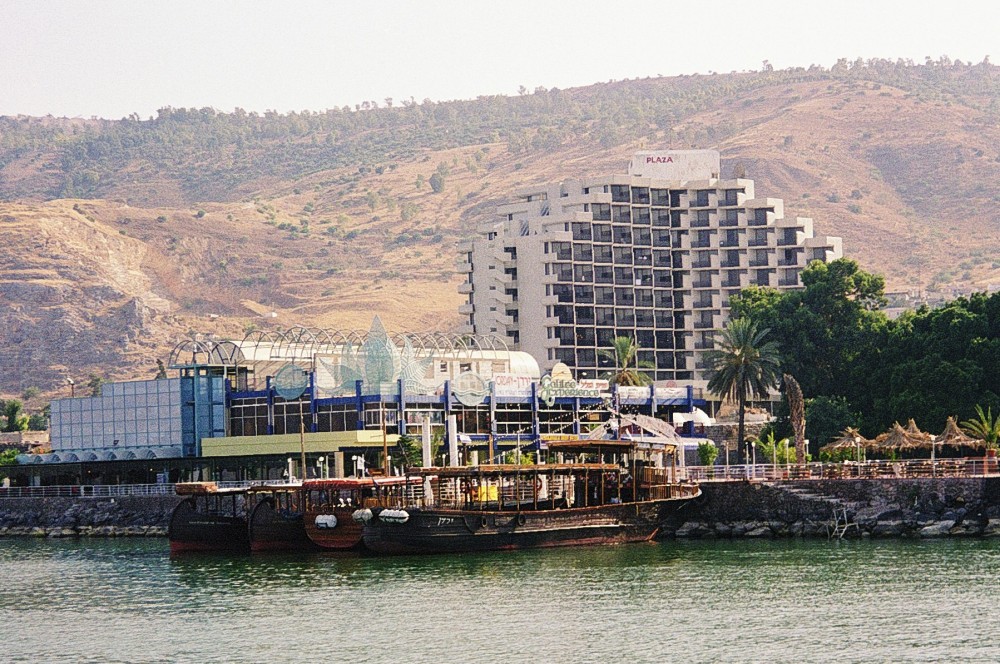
753,444
321,471
72,387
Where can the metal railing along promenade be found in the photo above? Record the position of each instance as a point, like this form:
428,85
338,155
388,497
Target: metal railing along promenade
106,490
906,469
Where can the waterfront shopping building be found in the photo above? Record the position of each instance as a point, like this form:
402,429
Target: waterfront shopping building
251,409
654,255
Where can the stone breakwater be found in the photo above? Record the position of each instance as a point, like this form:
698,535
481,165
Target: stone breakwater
128,516
967,507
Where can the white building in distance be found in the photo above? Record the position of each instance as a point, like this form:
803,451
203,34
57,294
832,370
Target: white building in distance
653,254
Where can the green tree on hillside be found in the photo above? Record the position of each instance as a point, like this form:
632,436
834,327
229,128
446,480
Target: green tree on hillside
437,183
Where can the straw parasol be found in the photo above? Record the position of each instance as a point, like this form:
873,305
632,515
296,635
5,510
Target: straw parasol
898,438
921,438
849,439
953,436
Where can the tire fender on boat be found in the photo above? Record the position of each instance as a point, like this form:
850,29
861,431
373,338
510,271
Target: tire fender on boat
362,515
325,521
521,519
394,516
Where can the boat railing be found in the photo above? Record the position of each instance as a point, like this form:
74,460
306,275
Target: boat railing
878,469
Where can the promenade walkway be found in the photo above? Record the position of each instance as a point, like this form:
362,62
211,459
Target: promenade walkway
906,469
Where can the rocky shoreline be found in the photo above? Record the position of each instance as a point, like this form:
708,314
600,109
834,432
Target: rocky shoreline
896,508
55,532
128,516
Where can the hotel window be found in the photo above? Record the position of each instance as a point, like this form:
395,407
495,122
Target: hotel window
602,253
583,294
583,252
700,198
601,211
581,231
602,233
729,217
583,274
640,195
640,215
731,196
620,193
659,197
624,297
641,236
701,218
621,214
622,235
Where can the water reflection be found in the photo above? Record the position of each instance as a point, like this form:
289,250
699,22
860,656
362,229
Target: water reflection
128,600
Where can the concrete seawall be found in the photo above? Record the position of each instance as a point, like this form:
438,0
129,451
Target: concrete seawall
135,516
878,508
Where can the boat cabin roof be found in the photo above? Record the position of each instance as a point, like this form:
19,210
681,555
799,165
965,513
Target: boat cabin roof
514,470
205,489
353,482
599,445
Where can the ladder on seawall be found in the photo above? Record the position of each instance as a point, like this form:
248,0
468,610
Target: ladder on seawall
841,523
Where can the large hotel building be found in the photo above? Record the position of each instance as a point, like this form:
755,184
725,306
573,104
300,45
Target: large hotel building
654,254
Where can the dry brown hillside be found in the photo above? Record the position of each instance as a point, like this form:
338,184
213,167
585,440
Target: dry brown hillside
107,285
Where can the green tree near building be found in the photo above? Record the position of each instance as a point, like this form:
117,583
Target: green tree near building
14,417
743,365
94,383
623,356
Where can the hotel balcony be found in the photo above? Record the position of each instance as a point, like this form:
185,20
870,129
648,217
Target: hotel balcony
465,288
466,308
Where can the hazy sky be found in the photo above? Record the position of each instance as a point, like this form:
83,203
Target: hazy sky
111,58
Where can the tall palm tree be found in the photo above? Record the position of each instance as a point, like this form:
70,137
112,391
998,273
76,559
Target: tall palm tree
626,368
742,365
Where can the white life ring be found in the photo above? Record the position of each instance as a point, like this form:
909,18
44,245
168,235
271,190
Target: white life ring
362,515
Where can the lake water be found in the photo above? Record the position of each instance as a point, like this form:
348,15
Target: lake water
127,600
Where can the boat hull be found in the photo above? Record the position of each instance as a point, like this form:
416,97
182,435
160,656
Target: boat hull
194,530
429,530
342,533
276,530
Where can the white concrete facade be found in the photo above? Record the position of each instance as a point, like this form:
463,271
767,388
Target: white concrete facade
654,254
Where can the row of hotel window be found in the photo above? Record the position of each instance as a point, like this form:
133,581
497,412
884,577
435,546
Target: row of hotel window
660,237
623,193
623,276
626,214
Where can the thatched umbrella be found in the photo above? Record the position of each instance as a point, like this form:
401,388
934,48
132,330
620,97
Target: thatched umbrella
897,438
849,439
921,438
955,437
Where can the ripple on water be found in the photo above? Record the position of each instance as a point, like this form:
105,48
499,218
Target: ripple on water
127,600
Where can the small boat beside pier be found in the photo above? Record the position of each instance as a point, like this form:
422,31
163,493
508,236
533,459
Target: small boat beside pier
210,518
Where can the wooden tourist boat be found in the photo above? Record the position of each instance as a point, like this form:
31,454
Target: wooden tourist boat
209,519
276,521
498,507
331,504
